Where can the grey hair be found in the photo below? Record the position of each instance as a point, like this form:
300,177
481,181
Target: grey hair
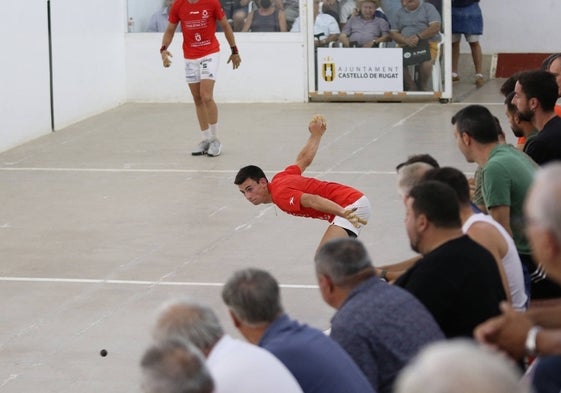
411,175
544,199
341,258
459,366
189,320
175,366
253,295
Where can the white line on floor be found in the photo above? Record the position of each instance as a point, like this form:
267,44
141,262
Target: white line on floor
138,170
135,282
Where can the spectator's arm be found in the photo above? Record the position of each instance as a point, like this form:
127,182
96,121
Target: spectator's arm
282,21
344,40
248,22
501,214
429,32
398,37
546,316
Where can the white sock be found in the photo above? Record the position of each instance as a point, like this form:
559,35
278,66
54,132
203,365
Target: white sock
206,134
213,130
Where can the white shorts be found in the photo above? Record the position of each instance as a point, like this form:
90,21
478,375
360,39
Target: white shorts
469,37
203,68
363,210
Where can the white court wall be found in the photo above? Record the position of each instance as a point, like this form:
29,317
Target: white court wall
88,43
88,58
24,73
273,69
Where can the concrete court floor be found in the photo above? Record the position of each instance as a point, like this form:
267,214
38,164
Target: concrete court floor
105,220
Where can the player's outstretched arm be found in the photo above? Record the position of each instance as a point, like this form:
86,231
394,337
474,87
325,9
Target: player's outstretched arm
317,127
325,205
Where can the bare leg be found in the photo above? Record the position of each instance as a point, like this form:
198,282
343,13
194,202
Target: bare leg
207,98
202,115
476,56
455,56
408,80
333,232
425,73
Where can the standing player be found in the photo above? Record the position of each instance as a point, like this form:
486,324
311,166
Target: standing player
201,51
346,209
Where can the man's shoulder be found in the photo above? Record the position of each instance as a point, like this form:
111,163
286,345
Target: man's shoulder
551,130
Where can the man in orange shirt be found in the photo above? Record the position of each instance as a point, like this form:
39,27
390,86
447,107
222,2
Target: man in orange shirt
344,207
201,51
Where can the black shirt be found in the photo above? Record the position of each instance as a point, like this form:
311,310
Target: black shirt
546,146
459,283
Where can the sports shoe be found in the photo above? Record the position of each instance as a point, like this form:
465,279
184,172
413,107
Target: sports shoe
455,77
214,148
201,148
479,81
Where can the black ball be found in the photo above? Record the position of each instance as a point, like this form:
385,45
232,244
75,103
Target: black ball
103,353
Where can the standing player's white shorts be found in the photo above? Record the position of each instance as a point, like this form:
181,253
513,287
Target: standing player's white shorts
202,68
363,210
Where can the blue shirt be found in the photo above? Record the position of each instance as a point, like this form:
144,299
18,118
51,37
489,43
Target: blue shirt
317,362
382,326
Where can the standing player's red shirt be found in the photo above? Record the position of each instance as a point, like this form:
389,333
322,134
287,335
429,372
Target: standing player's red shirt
198,24
287,187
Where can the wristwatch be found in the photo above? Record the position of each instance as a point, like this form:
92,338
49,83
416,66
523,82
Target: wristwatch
530,344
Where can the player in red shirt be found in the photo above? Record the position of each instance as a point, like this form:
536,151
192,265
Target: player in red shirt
201,52
346,208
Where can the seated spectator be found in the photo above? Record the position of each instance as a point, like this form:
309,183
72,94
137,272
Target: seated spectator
426,158
365,30
553,65
235,366
459,366
265,19
522,128
331,7
173,366
236,11
507,88
489,233
349,8
319,364
159,20
476,182
415,24
535,95
457,279
380,325
291,10
326,28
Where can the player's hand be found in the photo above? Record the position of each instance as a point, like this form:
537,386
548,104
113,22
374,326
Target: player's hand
351,216
166,58
235,59
317,125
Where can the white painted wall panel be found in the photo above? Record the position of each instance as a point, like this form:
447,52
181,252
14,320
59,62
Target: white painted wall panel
24,73
88,58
